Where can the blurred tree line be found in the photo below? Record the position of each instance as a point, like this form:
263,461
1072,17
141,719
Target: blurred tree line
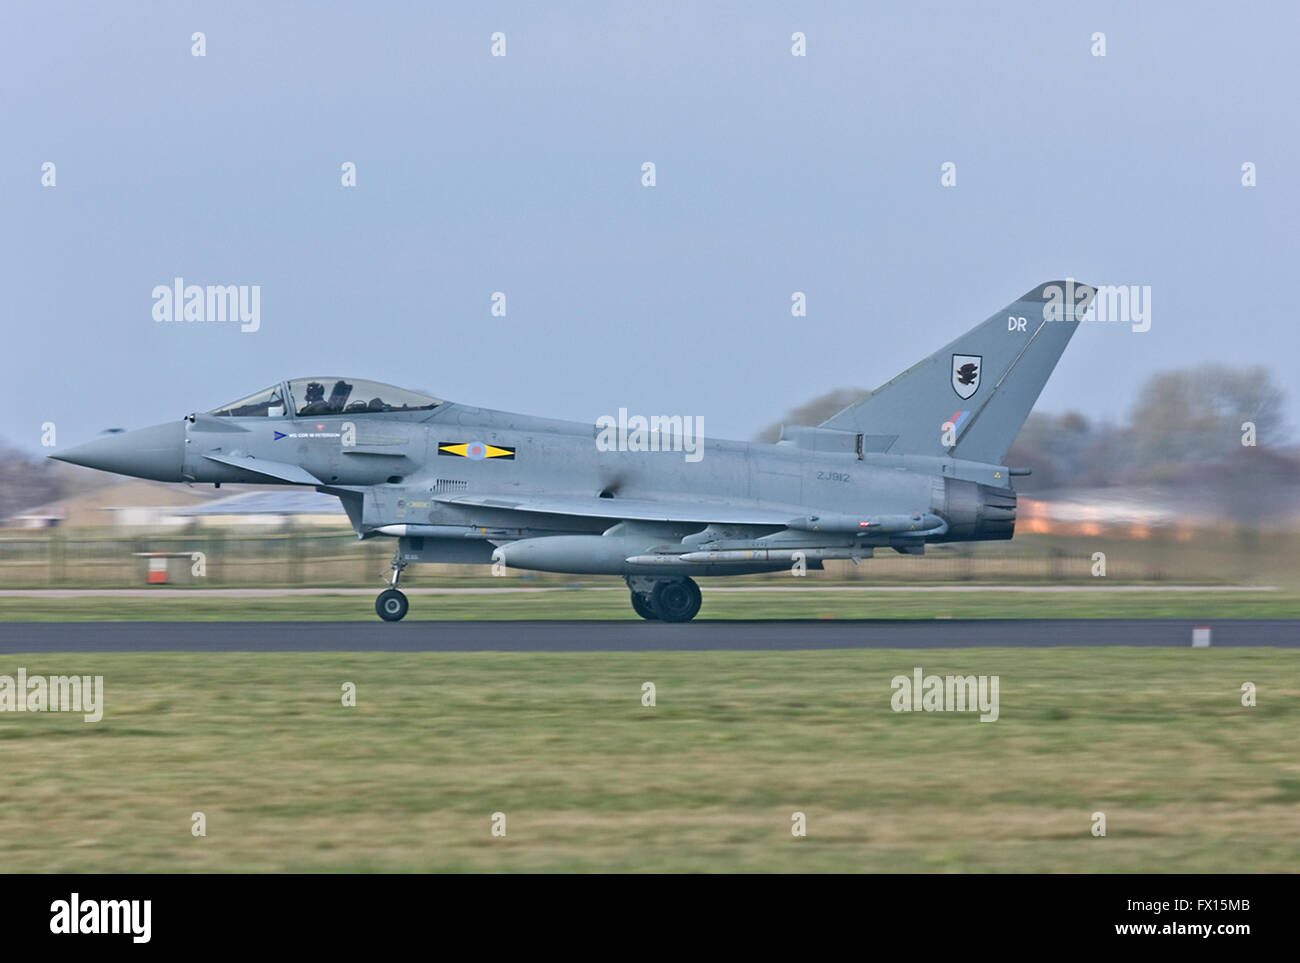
27,481
1182,421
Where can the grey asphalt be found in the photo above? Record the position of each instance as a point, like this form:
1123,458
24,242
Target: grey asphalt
625,636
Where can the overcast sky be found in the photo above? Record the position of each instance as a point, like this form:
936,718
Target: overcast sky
522,174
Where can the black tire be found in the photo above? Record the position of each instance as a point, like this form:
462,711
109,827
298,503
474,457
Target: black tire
391,605
641,603
676,599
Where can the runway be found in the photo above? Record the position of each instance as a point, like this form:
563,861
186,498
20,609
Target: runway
166,592
630,636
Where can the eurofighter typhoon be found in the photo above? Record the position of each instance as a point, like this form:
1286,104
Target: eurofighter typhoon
919,461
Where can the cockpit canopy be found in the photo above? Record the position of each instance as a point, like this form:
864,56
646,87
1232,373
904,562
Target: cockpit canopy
335,396
268,403
327,396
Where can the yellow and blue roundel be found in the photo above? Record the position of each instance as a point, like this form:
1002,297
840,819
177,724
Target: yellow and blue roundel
475,450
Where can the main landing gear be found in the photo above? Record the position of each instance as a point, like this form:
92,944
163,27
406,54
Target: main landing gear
391,605
664,599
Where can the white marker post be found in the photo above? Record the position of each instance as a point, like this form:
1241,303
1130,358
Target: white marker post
1201,637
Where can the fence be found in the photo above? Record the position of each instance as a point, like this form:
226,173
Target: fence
68,559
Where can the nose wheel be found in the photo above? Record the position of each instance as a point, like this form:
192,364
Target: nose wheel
391,605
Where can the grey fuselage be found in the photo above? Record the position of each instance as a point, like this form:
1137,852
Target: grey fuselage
394,476
457,483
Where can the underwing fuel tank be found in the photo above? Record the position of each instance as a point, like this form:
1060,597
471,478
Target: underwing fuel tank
579,554
612,555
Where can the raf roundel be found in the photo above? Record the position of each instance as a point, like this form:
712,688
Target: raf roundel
475,450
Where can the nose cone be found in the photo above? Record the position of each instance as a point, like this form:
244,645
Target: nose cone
156,452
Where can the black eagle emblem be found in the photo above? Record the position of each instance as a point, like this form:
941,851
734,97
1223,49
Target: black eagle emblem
967,372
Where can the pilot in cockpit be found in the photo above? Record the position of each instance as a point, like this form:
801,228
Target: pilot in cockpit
314,400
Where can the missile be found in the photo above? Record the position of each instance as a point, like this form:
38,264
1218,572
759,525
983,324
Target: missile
756,555
913,522
407,530
665,561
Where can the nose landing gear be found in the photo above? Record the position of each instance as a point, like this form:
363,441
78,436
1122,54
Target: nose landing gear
391,605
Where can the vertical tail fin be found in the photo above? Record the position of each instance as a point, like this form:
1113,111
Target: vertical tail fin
983,384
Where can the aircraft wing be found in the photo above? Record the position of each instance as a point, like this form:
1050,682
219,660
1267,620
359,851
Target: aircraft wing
636,509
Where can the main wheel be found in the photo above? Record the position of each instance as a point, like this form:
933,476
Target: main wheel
391,605
676,599
641,603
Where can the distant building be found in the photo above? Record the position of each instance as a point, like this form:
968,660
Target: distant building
133,503
144,505
266,508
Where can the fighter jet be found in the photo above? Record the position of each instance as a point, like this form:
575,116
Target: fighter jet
919,461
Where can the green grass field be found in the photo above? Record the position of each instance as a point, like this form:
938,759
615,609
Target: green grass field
707,780
587,604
